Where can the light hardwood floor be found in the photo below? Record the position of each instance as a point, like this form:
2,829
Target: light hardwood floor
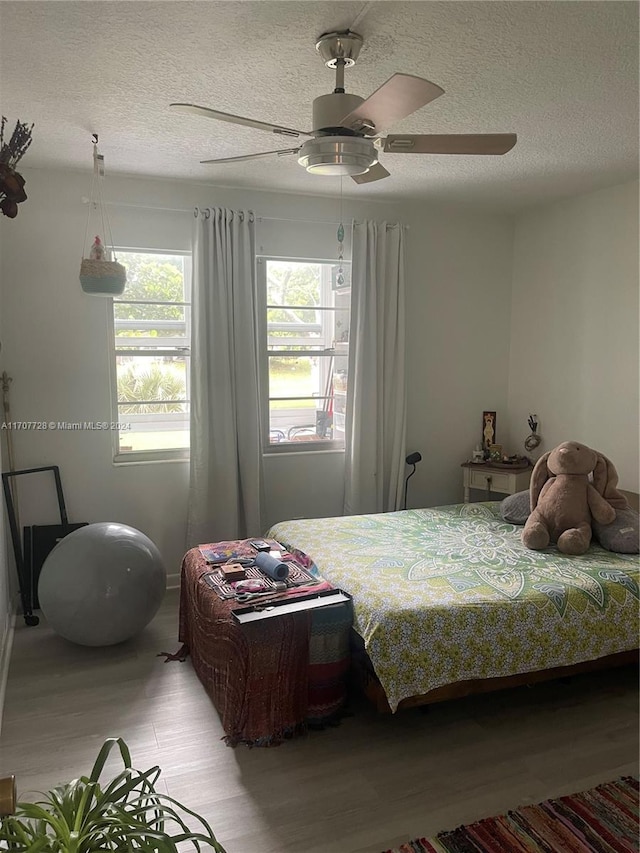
362,787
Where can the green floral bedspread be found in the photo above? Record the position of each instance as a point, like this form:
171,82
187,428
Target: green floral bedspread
450,593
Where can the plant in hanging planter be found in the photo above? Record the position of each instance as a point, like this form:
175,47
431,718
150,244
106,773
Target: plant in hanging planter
99,275
125,815
11,182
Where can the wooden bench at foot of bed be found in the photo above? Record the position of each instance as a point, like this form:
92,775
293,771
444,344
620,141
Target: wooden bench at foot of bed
365,678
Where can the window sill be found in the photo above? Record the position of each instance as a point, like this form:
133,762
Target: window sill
149,458
302,451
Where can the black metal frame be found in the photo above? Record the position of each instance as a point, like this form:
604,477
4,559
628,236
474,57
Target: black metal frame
27,605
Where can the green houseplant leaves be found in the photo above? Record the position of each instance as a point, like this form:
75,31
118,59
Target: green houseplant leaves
125,814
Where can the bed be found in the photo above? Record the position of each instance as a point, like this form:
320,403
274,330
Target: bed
447,601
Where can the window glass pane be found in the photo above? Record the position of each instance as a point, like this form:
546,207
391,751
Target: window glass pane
293,283
152,340
153,276
151,314
150,326
289,316
282,334
307,313
152,427
144,379
298,420
306,376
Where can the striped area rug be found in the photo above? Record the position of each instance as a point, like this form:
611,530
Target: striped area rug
602,820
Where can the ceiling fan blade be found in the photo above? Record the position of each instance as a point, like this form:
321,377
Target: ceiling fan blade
250,156
400,96
376,173
194,109
451,143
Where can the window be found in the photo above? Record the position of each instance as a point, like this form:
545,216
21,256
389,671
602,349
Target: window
305,351
150,360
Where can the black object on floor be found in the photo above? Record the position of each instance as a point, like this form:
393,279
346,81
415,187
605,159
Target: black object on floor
39,541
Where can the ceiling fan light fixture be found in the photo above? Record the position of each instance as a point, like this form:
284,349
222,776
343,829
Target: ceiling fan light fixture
338,155
330,168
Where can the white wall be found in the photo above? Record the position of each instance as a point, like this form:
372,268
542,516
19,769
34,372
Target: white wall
55,343
5,595
574,326
458,309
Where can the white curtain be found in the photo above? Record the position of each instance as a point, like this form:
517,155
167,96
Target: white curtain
226,458
376,406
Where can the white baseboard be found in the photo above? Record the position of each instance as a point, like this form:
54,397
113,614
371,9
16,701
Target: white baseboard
173,581
5,658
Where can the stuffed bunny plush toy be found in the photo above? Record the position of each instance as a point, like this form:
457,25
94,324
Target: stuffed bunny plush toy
563,501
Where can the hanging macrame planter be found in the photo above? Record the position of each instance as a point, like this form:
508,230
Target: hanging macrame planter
100,276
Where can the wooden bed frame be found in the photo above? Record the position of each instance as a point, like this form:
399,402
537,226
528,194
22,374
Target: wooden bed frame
364,675
632,497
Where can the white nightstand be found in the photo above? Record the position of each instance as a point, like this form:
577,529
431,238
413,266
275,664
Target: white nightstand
489,479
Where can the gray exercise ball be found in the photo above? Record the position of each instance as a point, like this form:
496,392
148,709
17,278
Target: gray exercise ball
102,584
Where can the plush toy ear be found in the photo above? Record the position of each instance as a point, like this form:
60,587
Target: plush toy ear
539,477
605,480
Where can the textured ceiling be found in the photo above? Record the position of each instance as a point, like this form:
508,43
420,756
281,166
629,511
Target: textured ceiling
562,75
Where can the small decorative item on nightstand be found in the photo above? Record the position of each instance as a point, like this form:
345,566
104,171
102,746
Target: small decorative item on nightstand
533,440
488,431
495,452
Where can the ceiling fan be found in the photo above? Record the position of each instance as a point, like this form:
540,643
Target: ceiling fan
345,137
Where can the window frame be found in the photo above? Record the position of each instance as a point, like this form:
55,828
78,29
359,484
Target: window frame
268,448
136,457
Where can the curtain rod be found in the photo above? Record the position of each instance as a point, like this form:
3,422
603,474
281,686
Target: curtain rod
283,219
86,200
190,210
